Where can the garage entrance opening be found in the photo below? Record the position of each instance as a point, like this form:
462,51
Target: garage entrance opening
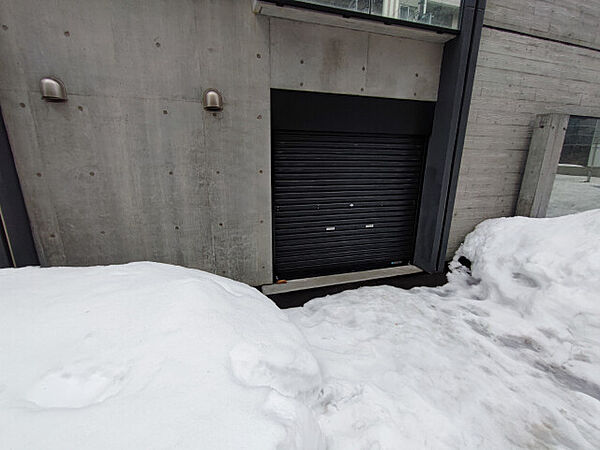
346,181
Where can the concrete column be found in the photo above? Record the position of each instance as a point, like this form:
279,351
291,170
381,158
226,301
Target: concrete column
542,163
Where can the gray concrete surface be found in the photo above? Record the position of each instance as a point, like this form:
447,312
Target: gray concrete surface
519,76
573,194
332,280
327,59
131,167
542,161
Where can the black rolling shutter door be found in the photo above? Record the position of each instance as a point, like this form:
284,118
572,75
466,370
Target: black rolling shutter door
344,201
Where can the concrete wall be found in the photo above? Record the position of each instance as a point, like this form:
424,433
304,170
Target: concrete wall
131,167
570,21
519,76
328,59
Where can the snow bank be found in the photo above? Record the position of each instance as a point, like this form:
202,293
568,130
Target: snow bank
149,356
517,260
506,355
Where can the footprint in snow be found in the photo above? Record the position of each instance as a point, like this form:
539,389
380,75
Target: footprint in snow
76,386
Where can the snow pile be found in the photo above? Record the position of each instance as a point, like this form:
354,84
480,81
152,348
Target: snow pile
506,355
149,356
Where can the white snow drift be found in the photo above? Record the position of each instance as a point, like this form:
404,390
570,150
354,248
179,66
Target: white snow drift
151,356
507,356
148,356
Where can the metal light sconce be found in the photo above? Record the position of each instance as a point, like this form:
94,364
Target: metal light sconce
212,100
53,90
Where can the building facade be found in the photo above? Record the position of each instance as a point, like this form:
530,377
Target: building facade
535,57
133,167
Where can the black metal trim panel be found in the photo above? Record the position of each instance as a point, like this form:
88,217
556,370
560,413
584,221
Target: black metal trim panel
17,241
316,111
447,138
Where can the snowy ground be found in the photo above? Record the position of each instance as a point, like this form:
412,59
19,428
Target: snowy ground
148,356
506,355
573,194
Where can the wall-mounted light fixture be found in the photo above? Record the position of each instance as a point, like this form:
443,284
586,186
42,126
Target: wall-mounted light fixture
212,100
53,90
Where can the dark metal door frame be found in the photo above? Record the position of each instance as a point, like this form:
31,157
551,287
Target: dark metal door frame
447,139
318,141
17,248
446,142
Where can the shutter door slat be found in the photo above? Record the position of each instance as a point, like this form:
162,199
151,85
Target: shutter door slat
343,201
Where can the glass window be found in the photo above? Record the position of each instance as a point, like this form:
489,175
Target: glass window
577,183
439,13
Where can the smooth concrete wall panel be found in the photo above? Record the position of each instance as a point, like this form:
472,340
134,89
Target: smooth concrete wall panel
318,58
403,68
125,183
517,78
328,59
572,21
133,49
132,167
